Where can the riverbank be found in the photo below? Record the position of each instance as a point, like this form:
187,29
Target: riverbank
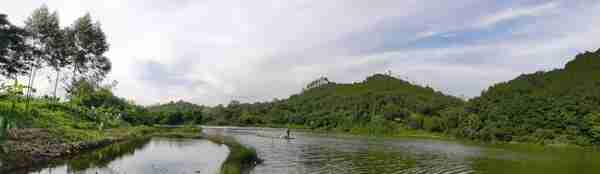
25,148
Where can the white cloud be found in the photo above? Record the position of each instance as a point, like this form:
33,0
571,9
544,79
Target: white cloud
517,12
425,34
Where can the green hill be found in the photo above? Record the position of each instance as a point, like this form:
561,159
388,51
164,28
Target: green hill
380,101
557,106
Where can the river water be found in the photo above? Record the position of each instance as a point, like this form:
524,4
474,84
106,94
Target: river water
317,153
311,153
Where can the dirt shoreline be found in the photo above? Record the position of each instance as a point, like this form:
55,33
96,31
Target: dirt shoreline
29,147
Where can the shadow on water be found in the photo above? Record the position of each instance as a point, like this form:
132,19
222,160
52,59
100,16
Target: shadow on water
312,153
99,159
148,156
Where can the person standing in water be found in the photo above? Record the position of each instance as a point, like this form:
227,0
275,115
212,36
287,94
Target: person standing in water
287,133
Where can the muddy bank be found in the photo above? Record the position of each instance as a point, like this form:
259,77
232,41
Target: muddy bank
29,147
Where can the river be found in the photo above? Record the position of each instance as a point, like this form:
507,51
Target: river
312,153
318,153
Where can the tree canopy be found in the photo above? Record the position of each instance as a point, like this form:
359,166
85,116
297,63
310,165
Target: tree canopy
14,52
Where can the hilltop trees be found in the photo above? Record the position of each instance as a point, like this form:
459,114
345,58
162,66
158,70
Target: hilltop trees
380,104
179,112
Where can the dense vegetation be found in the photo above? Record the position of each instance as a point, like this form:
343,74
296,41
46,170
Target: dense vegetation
558,106
175,113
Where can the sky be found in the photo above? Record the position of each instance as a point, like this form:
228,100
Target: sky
214,51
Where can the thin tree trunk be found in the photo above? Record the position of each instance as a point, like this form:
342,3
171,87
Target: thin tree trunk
12,109
30,96
56,84
29,83
74,71
29,86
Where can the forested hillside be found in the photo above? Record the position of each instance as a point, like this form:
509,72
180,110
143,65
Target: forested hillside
381,104
561,105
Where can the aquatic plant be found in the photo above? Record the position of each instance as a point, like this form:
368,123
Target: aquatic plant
2,128
241,159
6,123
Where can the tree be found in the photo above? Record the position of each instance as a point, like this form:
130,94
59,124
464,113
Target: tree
48,41
14,52
89,46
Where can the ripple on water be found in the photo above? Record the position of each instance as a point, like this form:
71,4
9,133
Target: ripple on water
310,154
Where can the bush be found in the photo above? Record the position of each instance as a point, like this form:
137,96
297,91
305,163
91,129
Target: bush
432,124
592,120
416,121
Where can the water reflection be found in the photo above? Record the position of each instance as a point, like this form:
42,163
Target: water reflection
155,156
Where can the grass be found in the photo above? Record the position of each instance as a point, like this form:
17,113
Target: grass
72,123
75,135
240,159
179,132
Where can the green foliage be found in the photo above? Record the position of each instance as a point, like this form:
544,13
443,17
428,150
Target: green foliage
6,123
89,45
177,113
240,159
433,124
47,38
416,121
14,51
557,106
42,43
86,93
592,120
